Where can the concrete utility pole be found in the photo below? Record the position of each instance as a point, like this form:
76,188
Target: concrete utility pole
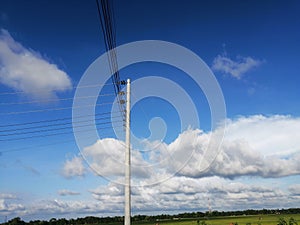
127,160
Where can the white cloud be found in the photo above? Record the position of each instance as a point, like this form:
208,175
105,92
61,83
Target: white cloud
253,146
272,152
49,208
9,203
190,194
269,135
56,207
67,192
26,70
295,189
256,146
111,195
107,156
74,167
177,194
12,208
7,196
234,68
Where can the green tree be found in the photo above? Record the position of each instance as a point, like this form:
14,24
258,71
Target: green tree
16,221
53,221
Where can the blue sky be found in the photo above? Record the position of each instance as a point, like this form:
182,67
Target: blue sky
251,46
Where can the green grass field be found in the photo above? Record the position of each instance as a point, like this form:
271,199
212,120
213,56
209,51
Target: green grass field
241,220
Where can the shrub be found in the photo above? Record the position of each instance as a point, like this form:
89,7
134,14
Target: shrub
282,221
292,221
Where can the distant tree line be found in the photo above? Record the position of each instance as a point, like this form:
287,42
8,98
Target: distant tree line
254,212
92,220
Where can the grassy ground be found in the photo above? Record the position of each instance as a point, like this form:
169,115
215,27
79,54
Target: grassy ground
241,220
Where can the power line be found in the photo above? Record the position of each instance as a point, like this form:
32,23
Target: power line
106,17
54,120
41,91
109,32
54,109
108,27
51,125
53,100
50,144
48,135
36,146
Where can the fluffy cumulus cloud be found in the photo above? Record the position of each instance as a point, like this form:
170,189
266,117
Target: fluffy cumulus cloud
74,167
9,204
236,68
107,156
27,71
272,152
234,181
